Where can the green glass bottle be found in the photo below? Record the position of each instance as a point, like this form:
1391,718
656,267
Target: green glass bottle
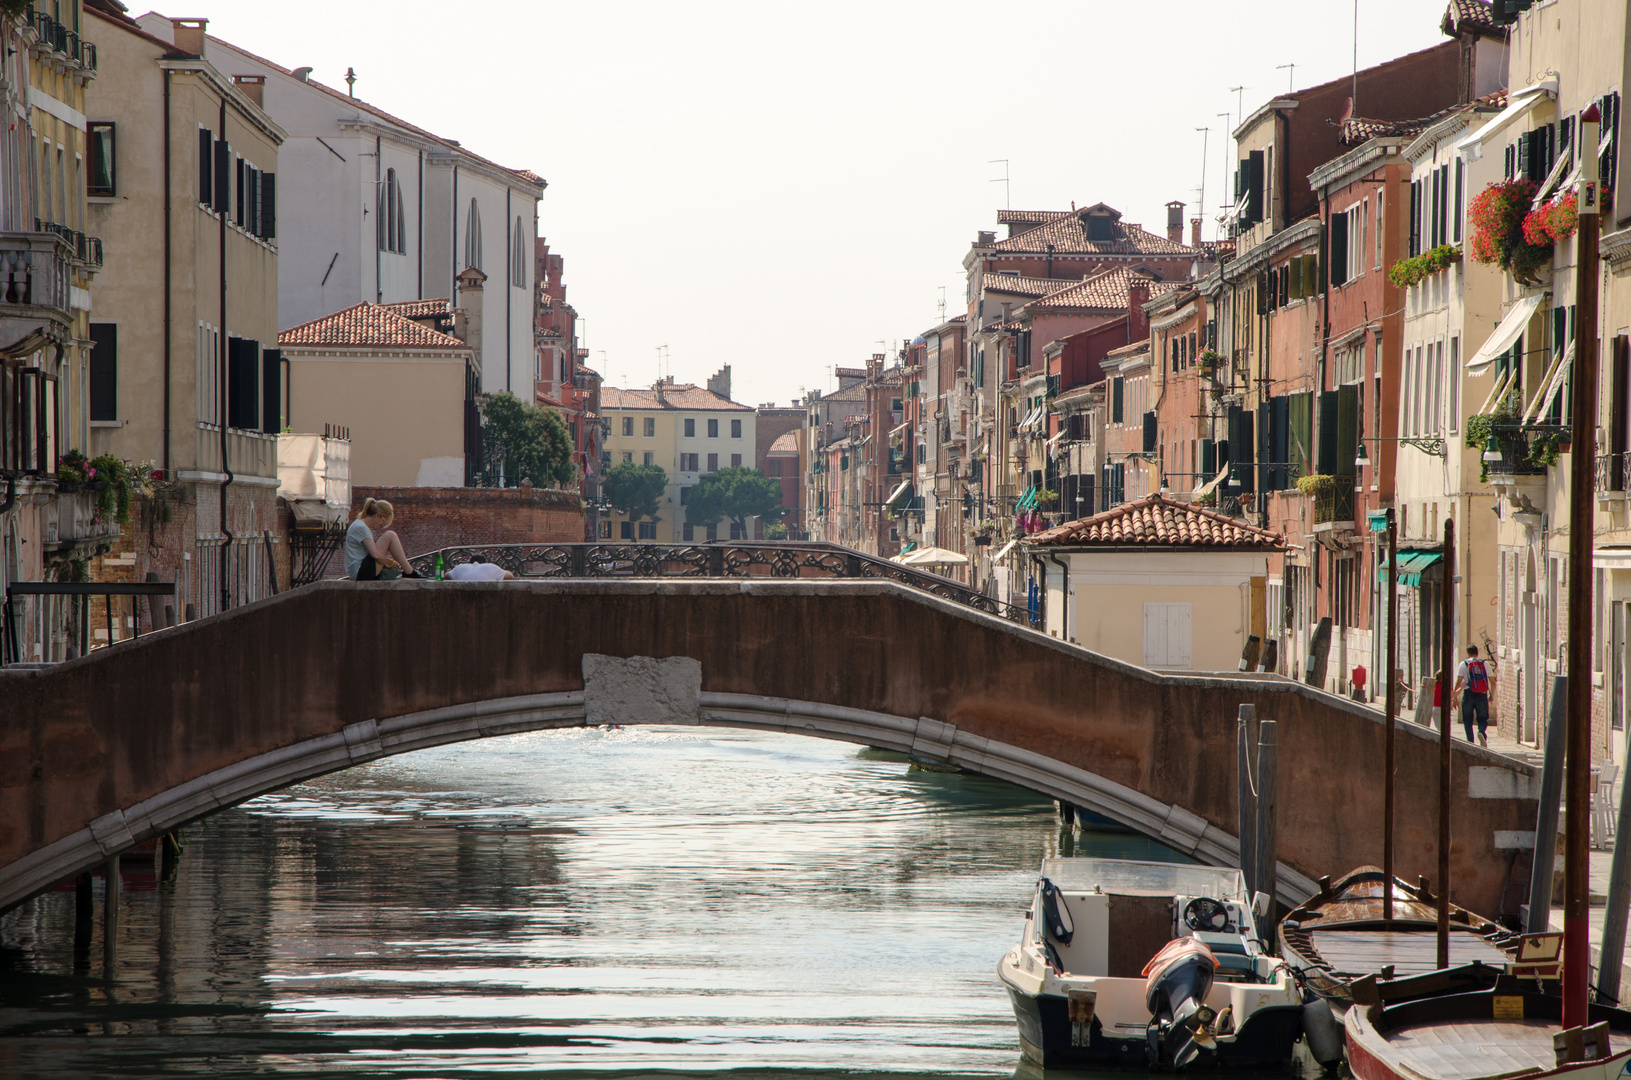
440,575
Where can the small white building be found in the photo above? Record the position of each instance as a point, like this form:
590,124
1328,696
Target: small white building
1157,583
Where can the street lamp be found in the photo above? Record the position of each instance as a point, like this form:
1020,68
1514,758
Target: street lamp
1492,449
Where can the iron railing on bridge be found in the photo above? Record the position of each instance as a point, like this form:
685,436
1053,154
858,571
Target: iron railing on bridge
715,560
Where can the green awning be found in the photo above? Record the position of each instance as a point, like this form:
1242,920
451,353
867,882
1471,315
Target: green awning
1412,564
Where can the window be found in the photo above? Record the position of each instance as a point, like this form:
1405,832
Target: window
472,236
628,456
243,383
1339,249
648,458
223,177
713,462
713,532
626,530
713,429
628,426
648,530
736,532
1455,381
688,532
209,384
648,427
605,530
104,371
690,428
99,141
1379,230
518,249
1115,401
391,222
736,461
206,167
736,429
773,467
688,463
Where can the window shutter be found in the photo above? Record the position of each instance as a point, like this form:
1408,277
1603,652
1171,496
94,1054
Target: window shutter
1414,245
1294,271
1254,208
1248,479
1347,428
1327,433
1149,433
223,177
244,384
268,228
1265,442
1115,401
1339,249
206,167
272,391
1209,459
104,373
1455,216
238,203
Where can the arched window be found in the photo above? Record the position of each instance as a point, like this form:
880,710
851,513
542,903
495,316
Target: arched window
518,256
392,223
401,219
472,237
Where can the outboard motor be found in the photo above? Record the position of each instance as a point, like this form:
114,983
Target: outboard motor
1176,981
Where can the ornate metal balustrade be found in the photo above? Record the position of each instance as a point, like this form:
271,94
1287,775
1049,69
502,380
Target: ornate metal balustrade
778,560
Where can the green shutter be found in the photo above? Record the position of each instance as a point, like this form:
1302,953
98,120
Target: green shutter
1347,429
1327,433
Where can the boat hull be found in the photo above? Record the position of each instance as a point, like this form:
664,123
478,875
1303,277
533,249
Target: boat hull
1049,1039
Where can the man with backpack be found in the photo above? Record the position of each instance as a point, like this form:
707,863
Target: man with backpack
1472,676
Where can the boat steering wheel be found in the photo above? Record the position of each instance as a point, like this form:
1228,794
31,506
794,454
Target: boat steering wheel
1205,913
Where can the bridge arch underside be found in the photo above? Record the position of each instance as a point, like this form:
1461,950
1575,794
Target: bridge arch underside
371,740
138,738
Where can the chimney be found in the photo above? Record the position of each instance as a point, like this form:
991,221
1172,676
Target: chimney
302,73
253,86
469,298
1194,232
720,383
188,34
658,391
1175,221
986,239
1138,323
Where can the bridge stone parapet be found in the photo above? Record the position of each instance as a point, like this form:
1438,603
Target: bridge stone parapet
104,752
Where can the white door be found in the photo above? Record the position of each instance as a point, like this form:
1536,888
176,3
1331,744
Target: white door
1166,635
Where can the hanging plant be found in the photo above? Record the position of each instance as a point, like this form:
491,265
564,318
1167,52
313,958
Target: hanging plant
1407,272
1497,215
1553,222
1316,483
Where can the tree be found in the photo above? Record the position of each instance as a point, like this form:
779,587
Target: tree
524,442
737,493
635,489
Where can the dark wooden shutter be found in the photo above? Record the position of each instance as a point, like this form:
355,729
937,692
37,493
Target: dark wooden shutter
223,177
1115,401
243,384
238,203
1279,443
1339,249
1149,433
1209,459
1326,435
206,167
1414,246
104,373
1248,479
1432,210
1255,208
268,228
272,391
1455,208
1347,428
1525,141
1265,449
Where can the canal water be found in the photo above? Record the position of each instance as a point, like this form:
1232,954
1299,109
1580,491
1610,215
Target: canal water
595,902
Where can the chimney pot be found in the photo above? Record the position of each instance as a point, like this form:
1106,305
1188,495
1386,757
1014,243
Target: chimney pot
1195,232
1175,221
253,86
188,34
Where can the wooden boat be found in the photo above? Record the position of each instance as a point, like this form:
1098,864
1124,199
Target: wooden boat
1339,935
1148,966
1506,1029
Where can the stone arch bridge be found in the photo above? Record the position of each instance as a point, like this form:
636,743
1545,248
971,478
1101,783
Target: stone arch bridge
101,753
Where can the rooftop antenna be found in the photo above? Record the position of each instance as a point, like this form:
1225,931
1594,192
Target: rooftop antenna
1240,101
1291,79
351,82
1006,193
1353,100
942,303
1228,131
1200,209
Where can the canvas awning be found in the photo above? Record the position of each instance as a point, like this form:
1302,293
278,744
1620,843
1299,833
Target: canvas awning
1004,550
1412,565
1517,103
1505,334
1212,484
896,495
933,556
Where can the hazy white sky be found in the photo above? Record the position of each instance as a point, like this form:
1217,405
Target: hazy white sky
781,187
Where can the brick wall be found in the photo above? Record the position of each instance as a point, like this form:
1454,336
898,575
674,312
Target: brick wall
432,518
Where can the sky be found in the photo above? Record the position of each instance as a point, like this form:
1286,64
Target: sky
786,188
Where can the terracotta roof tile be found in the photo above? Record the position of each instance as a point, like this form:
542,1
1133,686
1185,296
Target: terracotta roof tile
1020,285
367,324
1475,16
1066,231
421,309
677,396
787,442
1160,522
1358,129
1106,290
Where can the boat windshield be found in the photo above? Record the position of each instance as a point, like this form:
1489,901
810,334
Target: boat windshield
1121,875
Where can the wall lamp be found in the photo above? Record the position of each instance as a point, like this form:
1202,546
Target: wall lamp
1427,444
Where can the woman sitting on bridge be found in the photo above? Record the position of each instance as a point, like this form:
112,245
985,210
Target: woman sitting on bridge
370,559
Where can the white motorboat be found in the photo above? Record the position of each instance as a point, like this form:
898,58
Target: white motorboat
1150,966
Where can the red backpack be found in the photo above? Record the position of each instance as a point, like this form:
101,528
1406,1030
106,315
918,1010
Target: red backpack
1477,677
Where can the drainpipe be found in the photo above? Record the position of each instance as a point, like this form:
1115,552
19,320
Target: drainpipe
381,214
221,365
419,231
509,286
165,462
1064,597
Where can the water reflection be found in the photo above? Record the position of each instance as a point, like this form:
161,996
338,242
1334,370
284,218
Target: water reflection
629,901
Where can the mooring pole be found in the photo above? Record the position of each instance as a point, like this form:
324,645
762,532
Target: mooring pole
1582,509
1268,857
1612,954
1247,801
1392,715
1446,683
1551,797
110,915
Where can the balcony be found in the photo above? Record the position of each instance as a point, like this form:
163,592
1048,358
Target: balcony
75,517
1612,472
1526,450
1334,505
35,282
86,250
53,38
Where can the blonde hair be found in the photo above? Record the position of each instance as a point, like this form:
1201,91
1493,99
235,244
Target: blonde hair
380,507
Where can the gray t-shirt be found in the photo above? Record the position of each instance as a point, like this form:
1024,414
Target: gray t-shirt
355,550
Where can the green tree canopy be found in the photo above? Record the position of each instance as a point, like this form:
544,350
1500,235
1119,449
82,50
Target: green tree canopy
520,441
737,493
635,489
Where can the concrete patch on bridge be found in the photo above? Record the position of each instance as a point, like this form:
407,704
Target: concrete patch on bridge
641,690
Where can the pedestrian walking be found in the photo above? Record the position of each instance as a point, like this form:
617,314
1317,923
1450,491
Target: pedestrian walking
375,558
1473,686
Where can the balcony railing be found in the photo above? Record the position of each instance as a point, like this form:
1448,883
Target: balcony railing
1335,503
58,38
76,517
1520,450
34,270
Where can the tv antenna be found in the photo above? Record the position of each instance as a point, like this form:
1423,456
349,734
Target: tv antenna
1240,100
1291,79
1228,130
942,303
662,361
1200,210
1006,192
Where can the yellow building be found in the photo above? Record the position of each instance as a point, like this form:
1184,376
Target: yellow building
687,431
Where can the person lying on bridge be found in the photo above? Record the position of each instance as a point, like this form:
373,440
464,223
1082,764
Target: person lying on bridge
371,559
479,569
